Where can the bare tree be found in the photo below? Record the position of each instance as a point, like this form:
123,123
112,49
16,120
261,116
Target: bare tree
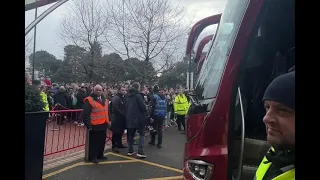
83,26
150,30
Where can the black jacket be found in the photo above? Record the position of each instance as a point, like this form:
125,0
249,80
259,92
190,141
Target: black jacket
63,99
135,109
118,105
87,112
118,117
279,159
80,97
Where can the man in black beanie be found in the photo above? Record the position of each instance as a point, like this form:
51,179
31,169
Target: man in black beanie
279,102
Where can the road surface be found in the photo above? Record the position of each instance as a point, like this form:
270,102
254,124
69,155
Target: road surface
164,163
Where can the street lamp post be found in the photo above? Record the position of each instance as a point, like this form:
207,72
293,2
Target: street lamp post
43,15
34,43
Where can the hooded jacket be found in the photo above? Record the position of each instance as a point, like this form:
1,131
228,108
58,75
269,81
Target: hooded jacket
80,97
62,98
136,111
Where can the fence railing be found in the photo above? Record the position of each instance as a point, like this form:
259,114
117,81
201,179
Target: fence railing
66,133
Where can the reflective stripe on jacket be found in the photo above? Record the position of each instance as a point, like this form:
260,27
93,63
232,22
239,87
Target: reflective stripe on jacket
44,99
160,107
181,105
288,172
99,113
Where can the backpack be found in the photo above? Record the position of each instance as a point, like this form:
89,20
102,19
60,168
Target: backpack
160,107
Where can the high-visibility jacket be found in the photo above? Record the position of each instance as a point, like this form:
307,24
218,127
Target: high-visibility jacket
161,106
181,105
99,113
44,99
288,172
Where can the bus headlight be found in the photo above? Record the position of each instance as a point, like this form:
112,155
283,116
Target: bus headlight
200,170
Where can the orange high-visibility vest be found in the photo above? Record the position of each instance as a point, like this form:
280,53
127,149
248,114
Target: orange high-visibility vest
99,114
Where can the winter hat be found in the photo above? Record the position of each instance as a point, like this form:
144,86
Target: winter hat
282,90
155,88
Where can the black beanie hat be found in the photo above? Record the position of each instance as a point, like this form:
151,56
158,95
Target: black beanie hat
155,88
282,90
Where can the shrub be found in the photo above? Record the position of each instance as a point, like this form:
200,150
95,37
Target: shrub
33,100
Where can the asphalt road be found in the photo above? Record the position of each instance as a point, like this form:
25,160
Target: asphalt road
164,163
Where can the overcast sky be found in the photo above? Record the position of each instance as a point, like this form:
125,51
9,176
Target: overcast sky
47,29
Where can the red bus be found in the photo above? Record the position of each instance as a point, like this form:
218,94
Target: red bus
253,44
201,56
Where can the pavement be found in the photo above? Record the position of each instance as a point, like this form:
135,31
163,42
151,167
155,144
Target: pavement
161,164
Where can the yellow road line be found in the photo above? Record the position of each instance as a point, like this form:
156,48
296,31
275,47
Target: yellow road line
85,164
62,170
129,160
114,162
167,178
149,163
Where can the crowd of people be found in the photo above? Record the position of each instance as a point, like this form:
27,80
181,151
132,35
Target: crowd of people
134,108
131,109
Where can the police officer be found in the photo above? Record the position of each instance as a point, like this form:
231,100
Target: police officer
279,102
158,114
181,107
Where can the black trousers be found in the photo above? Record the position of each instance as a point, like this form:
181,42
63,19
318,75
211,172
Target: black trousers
157,126
181,119
97,140
172,111
116,139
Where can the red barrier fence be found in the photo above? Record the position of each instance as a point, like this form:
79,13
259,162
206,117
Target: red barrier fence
66,133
